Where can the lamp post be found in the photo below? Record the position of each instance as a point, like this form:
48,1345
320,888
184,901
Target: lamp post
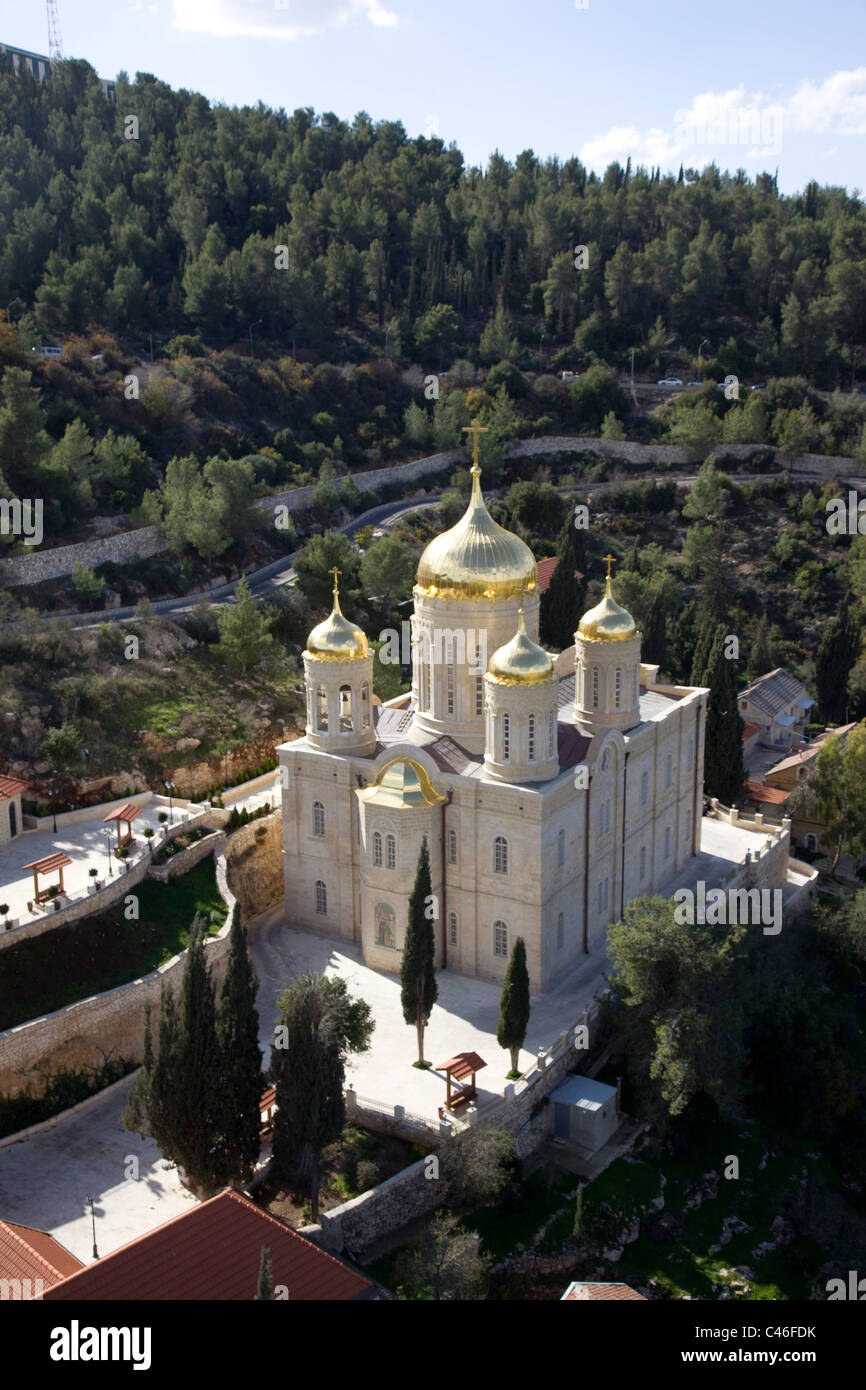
701,349
169,786
93,1224
54,806
108,851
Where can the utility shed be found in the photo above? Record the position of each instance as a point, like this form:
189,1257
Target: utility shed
585,1112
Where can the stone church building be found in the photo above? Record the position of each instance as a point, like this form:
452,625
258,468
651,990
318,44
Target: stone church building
551,790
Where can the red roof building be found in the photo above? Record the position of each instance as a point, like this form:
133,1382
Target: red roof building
213,1252
545,570
10,786
581,1293
31,1261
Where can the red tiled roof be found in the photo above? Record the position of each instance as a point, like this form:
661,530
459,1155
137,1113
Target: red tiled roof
464,1064
10,786
756,792
59,860
128,813
26,1253
749,729
213,1253
545,570
576,1293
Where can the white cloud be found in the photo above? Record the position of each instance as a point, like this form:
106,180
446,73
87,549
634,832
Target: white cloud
276,19
753,122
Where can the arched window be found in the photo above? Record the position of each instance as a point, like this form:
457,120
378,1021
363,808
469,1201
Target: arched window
669,770
365,705
530,735
500,939
377,848
644,788
345,709
560,931
321,708
452,846
390,852
452,928
551,732
595,687
321,898
812,842
506,738
13,821
318,819
617,688
500,855
560,848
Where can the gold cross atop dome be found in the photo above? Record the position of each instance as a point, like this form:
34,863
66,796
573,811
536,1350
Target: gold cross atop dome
336,573
611,560
475,429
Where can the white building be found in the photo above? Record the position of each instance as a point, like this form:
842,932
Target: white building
551,790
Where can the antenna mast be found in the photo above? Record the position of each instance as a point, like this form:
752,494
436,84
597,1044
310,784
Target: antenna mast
55,43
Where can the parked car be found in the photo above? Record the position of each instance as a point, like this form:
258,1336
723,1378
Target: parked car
670,381
694,383
759,386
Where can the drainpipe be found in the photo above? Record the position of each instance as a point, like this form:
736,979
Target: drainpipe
622,857
586,871
444,885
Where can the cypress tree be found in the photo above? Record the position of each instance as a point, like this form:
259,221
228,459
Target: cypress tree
577,1229
723,747
418,987
705,631
837,653
655,632
241,1082
761,659
265,1290
562,604
514,1005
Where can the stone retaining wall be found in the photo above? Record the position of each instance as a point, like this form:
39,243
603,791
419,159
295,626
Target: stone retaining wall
106,1025
187,858
86,906
255,864
121,549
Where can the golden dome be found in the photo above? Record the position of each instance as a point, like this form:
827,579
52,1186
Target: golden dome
521,661
477,558
403,782
336,639
608,621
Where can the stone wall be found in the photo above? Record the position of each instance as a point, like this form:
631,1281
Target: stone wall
121,549
254,855
187,858
85,906
358,1223
106,1025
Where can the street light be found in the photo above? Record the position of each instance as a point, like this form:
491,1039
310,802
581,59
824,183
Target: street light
253,325
700,349
93,1223
169,786
54,805
108,851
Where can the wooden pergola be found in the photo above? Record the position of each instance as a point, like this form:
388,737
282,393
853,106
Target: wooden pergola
47,866
124,815
457,1069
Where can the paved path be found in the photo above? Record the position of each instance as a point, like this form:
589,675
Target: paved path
45,1180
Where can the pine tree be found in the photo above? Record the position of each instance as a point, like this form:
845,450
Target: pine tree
705,634
723,745
418,987
244,629
761,658
265,1290
577,1229
837,653
514,1006
241,1084
562,604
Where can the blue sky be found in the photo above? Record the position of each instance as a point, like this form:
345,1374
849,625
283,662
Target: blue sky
757,84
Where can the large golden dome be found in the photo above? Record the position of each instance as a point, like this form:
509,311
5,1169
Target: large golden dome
336,639
608,621
477,558
521,661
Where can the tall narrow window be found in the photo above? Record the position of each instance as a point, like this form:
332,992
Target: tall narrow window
425,685
365,706
452,846
452,928
551,733
667,841
318,819
560,848
321,707
644,788
321,898
560,931
595,687
345,709
642,862
500,939
377,849
530,733
617,688
506,738
390,852
500,855
479,694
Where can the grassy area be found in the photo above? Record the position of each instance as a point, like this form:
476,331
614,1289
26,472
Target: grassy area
360,1159
101,952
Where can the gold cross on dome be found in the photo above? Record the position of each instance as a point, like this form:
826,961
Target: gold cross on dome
611,560
475,429
336,573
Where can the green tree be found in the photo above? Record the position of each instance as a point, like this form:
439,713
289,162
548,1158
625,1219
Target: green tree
761,656
837,788
708,497
237,1034
63,749
723,744
563,602
477,1166
445,1265
24,444
514,1006
265,1290
388,571
497,343
418,987
313,566
89,587
437,330
244,629
838,651
318,1025
611,427
577,1228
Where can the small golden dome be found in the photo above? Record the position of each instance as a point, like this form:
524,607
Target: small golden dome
521,661
336,639
477,558
608,621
